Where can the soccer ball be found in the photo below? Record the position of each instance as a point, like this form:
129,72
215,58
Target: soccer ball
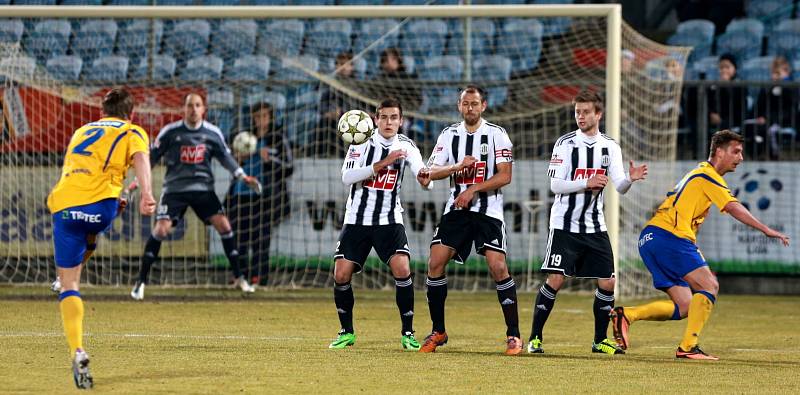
245,143
355,127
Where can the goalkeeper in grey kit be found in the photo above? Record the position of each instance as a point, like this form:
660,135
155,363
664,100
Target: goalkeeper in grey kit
187,147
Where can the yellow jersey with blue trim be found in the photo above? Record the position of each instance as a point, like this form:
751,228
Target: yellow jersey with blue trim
686,206
98,157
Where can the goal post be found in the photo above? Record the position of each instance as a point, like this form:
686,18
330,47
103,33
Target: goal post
532,58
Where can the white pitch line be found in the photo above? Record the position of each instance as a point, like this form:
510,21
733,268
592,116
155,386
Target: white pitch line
161,336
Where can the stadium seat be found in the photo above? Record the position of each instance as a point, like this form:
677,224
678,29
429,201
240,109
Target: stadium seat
359,67
300,126
706,68
785,39
281,38
34,2
49,38
312,2
482,38
269,2
429,2
130,2
742,38
221,109
494,72
95,39
291,68
377,34
64,67
81,2
202,68
134,38
439,69
697,33
176,2
22,67
554,26
772,12
187,39
234,39
521,41
360,2
11,31
424,38
110,69
5,2
220,2
757,69
328,38
163,69
249,68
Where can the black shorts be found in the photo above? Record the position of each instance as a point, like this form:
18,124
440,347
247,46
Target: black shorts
356,241
173,206
582,255
460,229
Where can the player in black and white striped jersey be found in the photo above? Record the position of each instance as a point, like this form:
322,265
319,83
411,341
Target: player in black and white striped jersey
578,246
477,158
374,218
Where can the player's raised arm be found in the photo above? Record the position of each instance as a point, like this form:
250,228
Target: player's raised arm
353,168
743,215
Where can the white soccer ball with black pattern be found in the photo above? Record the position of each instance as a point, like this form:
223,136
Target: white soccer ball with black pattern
245,143
355,127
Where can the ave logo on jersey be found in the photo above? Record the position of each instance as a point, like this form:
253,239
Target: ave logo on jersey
584,173
193,154
472,175
385,180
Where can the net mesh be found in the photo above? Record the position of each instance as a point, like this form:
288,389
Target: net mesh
310,71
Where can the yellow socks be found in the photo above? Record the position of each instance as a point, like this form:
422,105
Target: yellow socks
661,310
71,306
699,311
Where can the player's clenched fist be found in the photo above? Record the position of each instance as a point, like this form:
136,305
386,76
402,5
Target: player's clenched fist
598,181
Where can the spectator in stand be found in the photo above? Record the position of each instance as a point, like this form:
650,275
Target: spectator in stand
776,108
727,105
333,104
395,80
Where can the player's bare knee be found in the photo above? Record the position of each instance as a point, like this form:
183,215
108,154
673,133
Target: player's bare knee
342,271
713,285
555,281
399,265
606,284
162,229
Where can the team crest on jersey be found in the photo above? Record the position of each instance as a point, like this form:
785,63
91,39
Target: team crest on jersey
385,180
193,154
555,160
584,173
605,160
484,149
472,175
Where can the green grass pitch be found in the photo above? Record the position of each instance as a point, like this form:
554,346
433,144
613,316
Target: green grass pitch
214,341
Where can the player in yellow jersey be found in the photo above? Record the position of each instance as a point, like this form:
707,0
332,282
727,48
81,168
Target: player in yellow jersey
668,247
85,201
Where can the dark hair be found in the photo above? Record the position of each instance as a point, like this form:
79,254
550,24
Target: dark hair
263,105
730,58
392,51
475,89
344,57
389,103
202,98
722,139
118,103
587,96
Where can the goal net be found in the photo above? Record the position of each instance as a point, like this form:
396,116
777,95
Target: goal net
310,69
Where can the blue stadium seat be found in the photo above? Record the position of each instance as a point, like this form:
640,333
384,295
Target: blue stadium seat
697,33
300,126
785,39
111,69
440,69
82,2
249,68
424,38
130,2
312,2
134,38
11,31
163,69
521,41
757,69
281,38
64,67
554,26
95,39
235,38
291,68
377,34
176,2
269,2
5,2
34,2
187,39
360,2
742,38
202,68
482,38
49,38
491,70
221,109
327,65
329,37
772,12
221,2
22,67
706,68
426,2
